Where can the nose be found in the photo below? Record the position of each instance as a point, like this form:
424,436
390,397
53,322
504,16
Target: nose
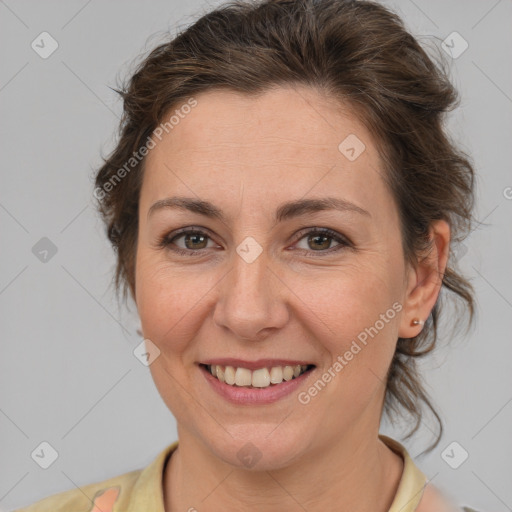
252,300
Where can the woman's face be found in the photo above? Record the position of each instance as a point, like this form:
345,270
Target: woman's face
259,285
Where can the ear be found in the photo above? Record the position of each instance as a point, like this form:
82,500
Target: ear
424,281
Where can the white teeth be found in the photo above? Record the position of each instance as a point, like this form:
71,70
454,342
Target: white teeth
261,378
243,377
288,373
219,372
229,375
276,375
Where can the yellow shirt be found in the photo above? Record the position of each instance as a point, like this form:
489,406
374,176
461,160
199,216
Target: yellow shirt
141,490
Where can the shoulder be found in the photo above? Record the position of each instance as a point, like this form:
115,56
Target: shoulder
415,493
95,497
136,490
434,501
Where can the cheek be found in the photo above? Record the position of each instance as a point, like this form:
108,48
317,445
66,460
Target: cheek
170,303
351,299
359,310
361,313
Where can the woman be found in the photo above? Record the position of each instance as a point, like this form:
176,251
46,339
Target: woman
282,201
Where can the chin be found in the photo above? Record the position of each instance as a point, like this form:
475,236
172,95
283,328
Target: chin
259,447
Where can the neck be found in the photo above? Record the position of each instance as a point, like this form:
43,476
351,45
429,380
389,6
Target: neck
355,472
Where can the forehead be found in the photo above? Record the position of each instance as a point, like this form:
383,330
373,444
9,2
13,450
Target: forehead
282,143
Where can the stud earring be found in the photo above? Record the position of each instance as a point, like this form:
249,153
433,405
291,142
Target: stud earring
417,321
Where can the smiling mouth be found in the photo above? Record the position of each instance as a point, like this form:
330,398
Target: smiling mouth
257,379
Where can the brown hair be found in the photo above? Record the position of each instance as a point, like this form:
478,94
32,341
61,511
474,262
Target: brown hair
355,51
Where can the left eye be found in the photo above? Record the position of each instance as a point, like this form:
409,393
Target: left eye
320,240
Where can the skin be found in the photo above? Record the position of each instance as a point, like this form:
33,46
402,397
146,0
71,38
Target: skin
248,155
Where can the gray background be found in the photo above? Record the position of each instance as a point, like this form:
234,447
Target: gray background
68,374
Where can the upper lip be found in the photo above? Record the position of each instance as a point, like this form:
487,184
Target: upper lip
255,365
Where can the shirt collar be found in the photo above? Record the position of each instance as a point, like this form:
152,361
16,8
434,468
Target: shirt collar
147,493
413,481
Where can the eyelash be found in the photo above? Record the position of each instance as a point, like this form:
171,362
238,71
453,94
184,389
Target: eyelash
166,241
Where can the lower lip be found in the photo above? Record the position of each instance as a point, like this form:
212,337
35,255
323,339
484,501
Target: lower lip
254,396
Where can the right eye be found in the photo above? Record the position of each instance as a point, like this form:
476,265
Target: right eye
194,241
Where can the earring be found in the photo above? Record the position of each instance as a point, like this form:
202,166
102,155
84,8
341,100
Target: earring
417,321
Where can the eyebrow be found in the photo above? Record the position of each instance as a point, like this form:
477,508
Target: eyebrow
285,211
